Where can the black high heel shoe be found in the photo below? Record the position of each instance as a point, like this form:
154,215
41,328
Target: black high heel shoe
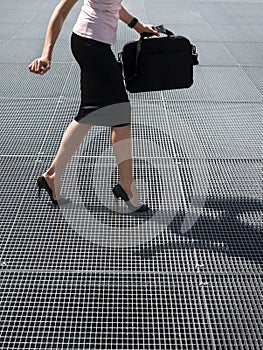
119,192
42,183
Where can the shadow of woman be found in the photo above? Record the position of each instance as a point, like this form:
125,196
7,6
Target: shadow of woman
231,229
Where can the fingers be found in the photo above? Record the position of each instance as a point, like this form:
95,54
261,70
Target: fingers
33,66
151,29
39,66
43,70
154,31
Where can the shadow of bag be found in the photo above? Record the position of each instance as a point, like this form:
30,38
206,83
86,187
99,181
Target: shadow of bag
158,63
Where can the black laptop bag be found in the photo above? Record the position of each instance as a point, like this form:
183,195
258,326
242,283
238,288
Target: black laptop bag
158,63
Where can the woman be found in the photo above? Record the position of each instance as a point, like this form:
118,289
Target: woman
101,86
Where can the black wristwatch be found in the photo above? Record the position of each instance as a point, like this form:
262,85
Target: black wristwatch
133,22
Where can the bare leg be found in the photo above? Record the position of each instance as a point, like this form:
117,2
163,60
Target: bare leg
71,140
122,147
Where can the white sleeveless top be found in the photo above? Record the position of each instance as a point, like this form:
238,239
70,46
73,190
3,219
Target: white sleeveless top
98,20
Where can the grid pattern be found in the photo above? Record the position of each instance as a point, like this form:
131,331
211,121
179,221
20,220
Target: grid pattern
188,276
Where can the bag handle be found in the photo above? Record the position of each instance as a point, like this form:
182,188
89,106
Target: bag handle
160,29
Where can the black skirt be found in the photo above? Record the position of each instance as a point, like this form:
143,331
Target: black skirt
104,99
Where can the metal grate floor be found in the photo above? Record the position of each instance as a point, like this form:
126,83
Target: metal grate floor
188,276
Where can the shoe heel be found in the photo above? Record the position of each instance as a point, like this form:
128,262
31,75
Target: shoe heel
39,192
116,204
116,195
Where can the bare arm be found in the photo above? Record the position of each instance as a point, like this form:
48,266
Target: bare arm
140,27
42,64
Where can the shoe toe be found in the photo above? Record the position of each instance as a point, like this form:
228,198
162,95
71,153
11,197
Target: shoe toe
143,208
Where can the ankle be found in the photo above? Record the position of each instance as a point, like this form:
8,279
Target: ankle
127,183
49,173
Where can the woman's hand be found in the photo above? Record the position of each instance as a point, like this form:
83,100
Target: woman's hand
40,65
145,28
